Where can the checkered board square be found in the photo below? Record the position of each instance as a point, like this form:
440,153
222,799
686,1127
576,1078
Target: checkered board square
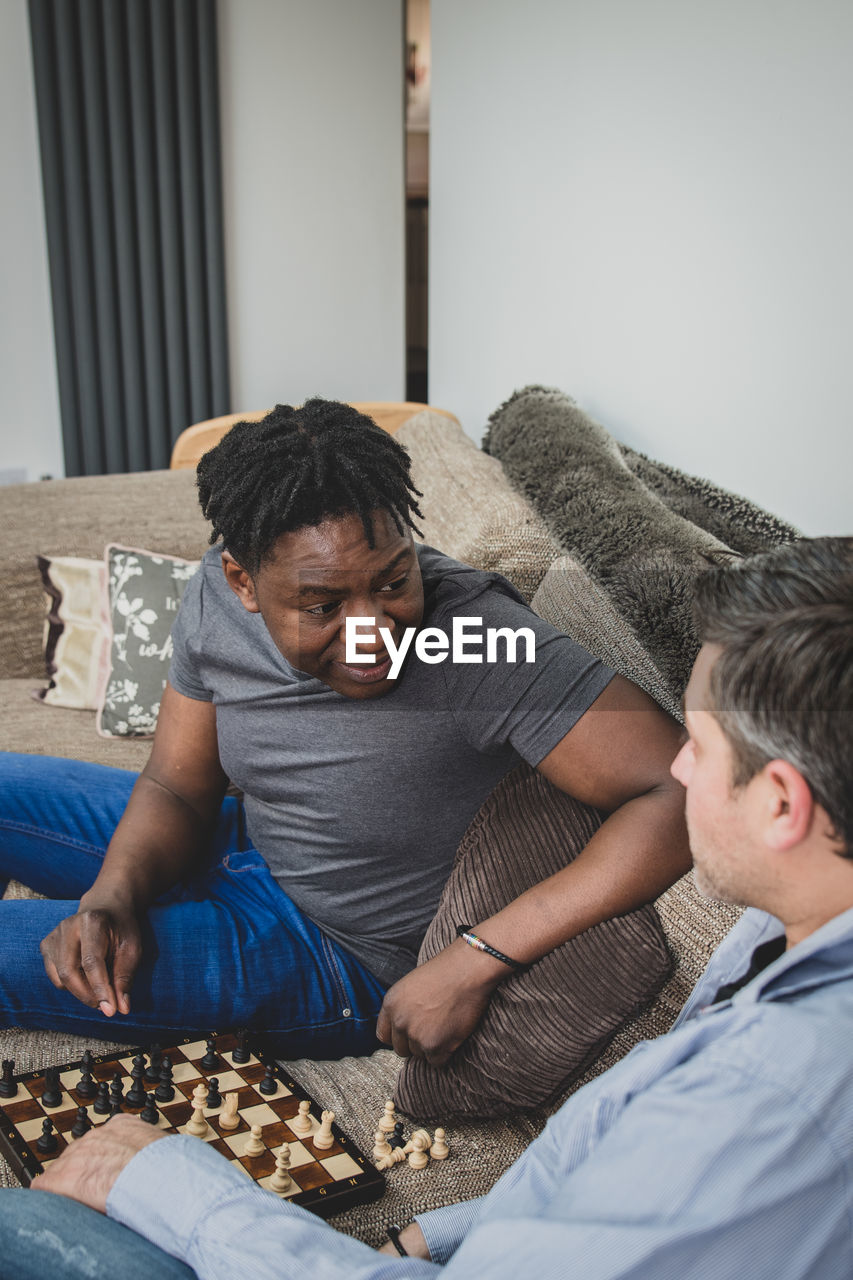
325,1181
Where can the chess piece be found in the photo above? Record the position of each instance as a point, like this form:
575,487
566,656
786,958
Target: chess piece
211,1059
439,1149
136,1096
255,1145
152,1071
52,1096
46,1141
86,1087
165,1090
116,1094
419,1155
281,1179
82,1124
241,1054
380,1146
8,1088
396,1138
197,1125
214,1097
149,1113
324,1138
228,1118
396,1156
388,1118
102,1101
269,1084
301,1122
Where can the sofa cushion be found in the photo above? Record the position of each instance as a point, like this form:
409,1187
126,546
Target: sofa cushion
144,594
76,640
568,1005
470,511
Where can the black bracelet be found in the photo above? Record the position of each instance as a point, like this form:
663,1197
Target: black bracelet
393,1234
464,931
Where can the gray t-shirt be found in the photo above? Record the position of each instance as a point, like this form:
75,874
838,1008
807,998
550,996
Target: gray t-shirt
358,806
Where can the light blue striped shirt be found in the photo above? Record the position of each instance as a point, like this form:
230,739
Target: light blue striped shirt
723,1149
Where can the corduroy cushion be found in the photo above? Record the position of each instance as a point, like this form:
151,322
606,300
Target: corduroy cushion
542,1028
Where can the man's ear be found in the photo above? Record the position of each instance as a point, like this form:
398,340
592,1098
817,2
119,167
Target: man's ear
789,805
240,583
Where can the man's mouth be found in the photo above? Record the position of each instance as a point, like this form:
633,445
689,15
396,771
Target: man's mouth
366,672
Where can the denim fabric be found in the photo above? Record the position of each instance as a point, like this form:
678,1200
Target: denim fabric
227,949
48,1236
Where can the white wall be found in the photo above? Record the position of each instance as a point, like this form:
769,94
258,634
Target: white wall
312,134
648,203
30,434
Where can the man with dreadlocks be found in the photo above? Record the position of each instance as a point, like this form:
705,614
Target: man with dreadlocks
300,909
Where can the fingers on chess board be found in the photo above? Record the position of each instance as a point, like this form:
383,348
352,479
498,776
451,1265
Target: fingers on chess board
333,1171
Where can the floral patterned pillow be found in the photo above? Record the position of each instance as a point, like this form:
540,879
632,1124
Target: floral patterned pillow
145,590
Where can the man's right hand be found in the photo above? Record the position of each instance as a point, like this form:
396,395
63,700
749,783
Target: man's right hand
94,955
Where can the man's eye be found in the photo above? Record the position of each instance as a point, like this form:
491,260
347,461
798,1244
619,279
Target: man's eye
396,584
322,610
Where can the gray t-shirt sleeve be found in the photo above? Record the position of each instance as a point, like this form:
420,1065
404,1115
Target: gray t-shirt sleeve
530,706
183,669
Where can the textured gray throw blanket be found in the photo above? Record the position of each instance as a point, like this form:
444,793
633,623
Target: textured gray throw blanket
642,530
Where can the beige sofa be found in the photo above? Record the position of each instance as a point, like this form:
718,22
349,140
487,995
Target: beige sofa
472,513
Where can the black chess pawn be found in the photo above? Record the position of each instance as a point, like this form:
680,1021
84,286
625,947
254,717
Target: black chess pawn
82,1124
211,1059
214,1097
46,1141
165,1090
149,1113
117,1089
101,1106
155,1057
241,1054
86,1086
52,1096
269,1084
396,1138
8,1088
136,1096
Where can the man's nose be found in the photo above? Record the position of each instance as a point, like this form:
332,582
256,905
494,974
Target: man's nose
373,617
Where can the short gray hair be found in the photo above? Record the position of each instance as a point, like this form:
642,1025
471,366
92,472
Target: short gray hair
782,688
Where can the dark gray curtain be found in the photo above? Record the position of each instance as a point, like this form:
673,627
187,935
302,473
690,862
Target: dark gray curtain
128,114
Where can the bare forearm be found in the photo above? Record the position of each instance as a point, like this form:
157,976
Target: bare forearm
637,853
158,842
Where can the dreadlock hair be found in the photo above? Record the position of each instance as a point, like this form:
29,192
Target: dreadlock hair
298,467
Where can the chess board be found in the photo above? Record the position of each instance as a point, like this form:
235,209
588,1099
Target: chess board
324,1181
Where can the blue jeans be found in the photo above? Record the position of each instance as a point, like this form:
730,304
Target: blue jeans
50,1236
228,949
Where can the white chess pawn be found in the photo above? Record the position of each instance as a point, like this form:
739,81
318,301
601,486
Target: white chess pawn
281,1179
228,1118
301,1122
439,1149
388,1118
381,1147
197,1125
255,1145
324,1137
419,1156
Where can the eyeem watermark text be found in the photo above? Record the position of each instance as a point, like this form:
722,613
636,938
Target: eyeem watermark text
433,645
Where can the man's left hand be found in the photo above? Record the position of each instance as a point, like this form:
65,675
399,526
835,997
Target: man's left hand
434,1008
89,1166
